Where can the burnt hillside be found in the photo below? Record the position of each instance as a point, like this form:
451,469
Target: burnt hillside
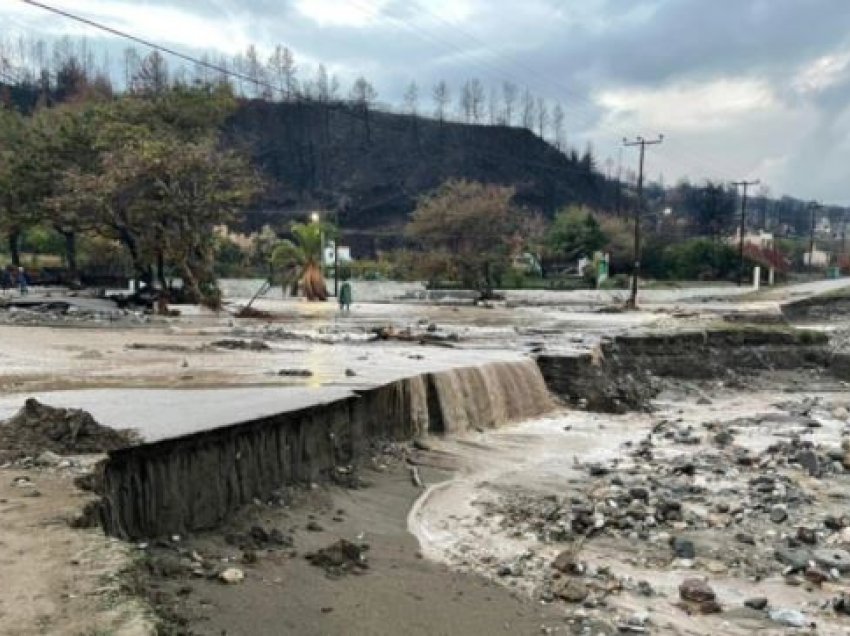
371,167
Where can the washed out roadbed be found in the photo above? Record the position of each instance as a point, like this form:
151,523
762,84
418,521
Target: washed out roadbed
326,560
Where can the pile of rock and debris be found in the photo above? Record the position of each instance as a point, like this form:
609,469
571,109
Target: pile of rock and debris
340,558
47,310
37,429
720,500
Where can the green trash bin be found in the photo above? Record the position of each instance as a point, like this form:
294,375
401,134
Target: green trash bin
833,272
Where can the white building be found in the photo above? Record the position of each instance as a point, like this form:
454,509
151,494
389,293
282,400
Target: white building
816,258
760,239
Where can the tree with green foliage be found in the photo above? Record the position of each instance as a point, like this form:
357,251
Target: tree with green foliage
160,182
298,262
470,225
575,233
19,184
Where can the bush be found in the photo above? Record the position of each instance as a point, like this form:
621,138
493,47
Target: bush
700,259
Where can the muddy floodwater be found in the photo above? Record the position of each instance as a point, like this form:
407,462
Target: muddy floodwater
744,488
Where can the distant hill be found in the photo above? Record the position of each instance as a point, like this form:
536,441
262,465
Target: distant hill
371,167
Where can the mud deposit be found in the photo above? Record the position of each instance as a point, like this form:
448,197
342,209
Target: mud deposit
724,511
37,427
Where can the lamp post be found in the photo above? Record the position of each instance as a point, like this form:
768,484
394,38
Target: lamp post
314,217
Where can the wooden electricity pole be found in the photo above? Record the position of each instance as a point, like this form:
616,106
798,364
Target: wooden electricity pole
745,185
642,143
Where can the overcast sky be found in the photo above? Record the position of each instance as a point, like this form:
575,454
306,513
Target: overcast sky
740,88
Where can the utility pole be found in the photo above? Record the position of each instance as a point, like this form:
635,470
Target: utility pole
337,237
814,205
619,179
745,185
642,143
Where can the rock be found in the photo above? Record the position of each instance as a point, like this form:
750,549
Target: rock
840,413
703,401
505,569
807,535
314,526
339,558
841,604
757,603
48,458
570,589
350,373
816,576
598,470
231,576
789,617
645,589
778,514
639,492
565,562
743,537
796,558
836,558
696,590
808,459
297,373
684,548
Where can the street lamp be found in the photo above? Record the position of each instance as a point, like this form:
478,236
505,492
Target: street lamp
314,217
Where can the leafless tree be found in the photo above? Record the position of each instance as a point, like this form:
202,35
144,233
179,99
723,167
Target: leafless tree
411,99
464,102
493,107
254,70
527,109
558,132
132,62
476,100
283,69
509,95
363,95
152,76
542,117
322,84
441,97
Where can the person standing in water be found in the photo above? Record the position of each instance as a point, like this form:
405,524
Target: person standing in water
23,283
345,297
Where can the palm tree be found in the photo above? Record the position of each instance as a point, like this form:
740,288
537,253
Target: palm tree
300,262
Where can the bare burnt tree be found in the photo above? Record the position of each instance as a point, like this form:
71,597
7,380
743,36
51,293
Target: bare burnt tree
527,113
509,96
542,117
363,95
558,133
441,97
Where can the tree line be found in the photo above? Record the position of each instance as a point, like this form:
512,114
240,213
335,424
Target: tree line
60,68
